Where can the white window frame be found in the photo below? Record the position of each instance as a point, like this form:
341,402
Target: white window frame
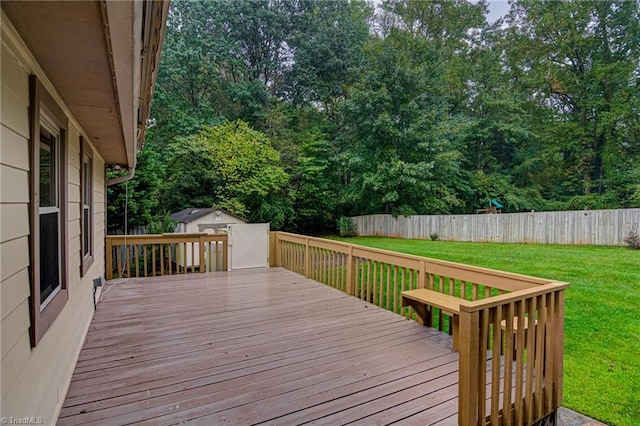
48,124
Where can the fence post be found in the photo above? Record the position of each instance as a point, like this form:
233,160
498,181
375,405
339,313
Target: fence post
469,369
350,286
109,258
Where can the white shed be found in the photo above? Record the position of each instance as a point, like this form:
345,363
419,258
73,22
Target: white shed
211,220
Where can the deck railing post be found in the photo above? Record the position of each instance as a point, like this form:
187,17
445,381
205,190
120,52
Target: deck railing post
278,255
272,249
350,280
558,350
109,258
469,369
203,266
422,274
225,255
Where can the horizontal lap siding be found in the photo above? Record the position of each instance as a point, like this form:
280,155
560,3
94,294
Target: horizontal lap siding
593,227
34,380
14,223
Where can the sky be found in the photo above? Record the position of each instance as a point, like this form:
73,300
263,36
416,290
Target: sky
497,9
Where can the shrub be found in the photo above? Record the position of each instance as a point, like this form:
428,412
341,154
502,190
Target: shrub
346,227
434,236
633,239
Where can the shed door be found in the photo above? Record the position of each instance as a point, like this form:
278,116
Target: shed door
248,245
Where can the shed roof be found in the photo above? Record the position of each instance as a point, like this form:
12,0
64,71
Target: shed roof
191,214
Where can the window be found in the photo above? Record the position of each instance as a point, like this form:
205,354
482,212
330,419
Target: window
49,212
48,205
86,217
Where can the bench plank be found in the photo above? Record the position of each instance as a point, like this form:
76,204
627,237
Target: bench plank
449,304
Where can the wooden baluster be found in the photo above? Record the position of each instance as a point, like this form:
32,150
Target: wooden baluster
519,348
127,262
362,283
495,365
144,256
375,283
119,254
161,259
396,293
389,290
508,365
136,256
153,259
351,278
531,350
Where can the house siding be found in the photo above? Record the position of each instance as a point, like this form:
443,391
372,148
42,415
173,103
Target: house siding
34,381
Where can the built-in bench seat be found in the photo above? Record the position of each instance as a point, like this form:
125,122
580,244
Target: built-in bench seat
421,298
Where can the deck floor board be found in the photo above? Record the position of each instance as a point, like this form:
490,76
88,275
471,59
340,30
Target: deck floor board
256,347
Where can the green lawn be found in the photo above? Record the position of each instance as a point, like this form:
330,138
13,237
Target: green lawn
602,323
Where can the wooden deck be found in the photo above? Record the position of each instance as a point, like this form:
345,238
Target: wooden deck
258,346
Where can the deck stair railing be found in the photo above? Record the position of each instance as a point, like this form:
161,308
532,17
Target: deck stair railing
130,256
511,326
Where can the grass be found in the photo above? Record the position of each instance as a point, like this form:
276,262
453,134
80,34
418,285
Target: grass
602,313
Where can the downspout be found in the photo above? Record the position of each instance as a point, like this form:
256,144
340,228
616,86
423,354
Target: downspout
120,179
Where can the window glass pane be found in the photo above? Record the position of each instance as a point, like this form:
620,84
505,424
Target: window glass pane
86,231
49,254
47,170
87,181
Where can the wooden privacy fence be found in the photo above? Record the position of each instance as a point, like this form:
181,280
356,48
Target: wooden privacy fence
511,326
166,254
592,227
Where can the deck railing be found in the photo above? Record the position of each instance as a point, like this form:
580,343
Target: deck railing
517,318
164,254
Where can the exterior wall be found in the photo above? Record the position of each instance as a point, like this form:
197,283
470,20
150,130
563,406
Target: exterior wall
34,381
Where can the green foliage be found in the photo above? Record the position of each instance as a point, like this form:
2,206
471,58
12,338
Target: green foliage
579,60
232,166
161,224
633,239
434,236
139,197
346,227
417,107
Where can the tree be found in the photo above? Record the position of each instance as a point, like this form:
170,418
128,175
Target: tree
401,152
139,197
326,42
579,61
231,166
